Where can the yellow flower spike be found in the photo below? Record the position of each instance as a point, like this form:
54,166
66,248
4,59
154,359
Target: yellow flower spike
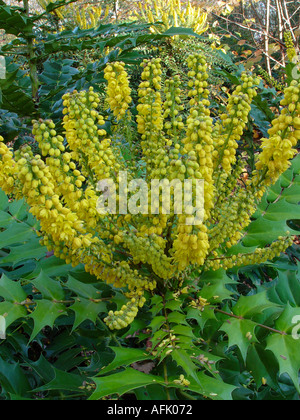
173,14
279,148
118,90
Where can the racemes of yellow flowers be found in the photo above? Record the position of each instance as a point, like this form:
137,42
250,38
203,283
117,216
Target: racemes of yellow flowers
172,13
141,252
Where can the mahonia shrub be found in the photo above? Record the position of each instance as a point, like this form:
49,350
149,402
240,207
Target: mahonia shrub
146,254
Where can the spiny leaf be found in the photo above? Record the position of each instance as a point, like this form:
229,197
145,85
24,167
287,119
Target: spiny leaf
62,381
286,288
49,288
285,322
122,382
184,360
286,351
46,314
87,291
249,306
11,291
125,357
241,333
12,312
86,309
13,379
212,388
263,365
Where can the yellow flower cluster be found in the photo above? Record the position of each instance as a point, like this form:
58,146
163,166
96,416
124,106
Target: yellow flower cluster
141,251
150,118
230,130
270,79
86,17
279,148
8,168
173,13
289,43
81,123
118,90
89,17
147,250
120,319
259,256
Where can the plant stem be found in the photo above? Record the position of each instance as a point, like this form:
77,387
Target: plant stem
166,381
32,57
244,319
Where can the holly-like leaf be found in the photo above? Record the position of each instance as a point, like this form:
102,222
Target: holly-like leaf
215,288
249,306
286,288
87,309
122,382
11,291
49,288
125,357
241,333
212,388
286,350
263,366
183,359
45,315
13,379
62,381
12,312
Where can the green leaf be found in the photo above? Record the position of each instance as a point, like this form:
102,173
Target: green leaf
13,379
46,314
238,331
183,359
19,253
201,317
279,205
215,289
186,331
122,382
125,357
177,318
62,381
286,350
84,290
11,291
256,233
12,312
212,388
285,321
286,288
49,288
3,201
249,306
262,364
15,233
86,309
157,323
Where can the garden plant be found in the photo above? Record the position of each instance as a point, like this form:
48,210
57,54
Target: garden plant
148,244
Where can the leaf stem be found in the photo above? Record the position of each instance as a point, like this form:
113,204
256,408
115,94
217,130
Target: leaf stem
244,319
